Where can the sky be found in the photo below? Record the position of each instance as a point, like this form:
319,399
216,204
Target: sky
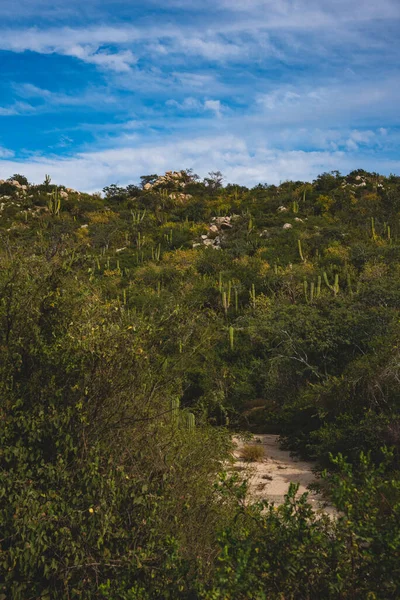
94,92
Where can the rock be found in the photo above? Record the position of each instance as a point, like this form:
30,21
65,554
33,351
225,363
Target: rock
204,236
287,226
282,209
63,195
208,242
120,249
196,245
298,220
214,229
15,183
84,226
223,222
147,186
180,196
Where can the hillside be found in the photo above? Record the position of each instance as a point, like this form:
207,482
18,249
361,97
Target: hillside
140,328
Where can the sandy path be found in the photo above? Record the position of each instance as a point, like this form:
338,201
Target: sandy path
270,478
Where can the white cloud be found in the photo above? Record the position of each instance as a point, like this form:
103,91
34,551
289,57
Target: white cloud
86,44
5,153
214,106
194,105
89,97
17,108
241,162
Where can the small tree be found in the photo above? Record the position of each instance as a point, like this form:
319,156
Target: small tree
20,178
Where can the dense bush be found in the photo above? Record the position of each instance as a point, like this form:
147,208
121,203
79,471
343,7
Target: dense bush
125,346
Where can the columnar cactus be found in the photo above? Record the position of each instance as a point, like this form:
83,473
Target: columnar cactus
300,250
231,338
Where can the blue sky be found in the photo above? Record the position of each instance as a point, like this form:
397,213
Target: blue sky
95,91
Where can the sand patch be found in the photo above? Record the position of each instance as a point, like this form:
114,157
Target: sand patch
270,478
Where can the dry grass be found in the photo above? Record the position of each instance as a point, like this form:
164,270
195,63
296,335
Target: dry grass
252,453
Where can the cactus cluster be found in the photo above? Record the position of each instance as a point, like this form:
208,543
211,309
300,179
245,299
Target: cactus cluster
181,418
54,203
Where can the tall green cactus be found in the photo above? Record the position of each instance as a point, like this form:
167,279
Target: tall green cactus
231,338
373,231
54,203
224,302
253,295
319,282
349,286
305,286
300,250
312,289
174,407
335,287
190,421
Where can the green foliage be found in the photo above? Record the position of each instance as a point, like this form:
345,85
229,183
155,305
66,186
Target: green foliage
128,345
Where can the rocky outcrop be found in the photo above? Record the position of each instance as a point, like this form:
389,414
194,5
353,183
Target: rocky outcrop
218,228
175,179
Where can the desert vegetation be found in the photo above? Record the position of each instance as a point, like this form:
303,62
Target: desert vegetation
140,328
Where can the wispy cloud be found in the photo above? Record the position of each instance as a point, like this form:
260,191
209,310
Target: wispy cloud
240,162
138,82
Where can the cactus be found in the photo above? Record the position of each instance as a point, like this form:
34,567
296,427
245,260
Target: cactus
335,286
349,287
174,407
190,421
305,286
231,338
236,301
138,217
295,206
389,233
319,281
373,231
220,283
312,289
253,295
300,250
54,203
225,302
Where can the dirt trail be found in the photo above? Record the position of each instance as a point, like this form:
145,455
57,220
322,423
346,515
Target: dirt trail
270,478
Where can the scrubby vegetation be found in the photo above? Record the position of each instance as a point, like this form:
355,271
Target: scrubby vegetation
139,328
252,453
